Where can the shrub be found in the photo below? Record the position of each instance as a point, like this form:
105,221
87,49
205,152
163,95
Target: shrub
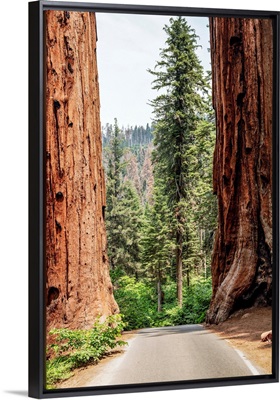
74,348
137,302
196,300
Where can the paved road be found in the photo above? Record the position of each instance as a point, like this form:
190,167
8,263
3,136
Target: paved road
172,354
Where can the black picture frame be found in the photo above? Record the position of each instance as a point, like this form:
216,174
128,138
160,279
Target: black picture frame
37,197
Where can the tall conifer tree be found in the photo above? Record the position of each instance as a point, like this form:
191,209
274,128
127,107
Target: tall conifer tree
179,106
157,247
114,177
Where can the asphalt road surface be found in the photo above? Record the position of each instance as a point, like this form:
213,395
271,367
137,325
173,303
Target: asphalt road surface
173,354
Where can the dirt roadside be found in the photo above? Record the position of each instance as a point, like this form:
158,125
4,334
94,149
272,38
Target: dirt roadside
243,331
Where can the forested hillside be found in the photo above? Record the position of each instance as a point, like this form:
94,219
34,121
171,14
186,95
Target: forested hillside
136,146
161,213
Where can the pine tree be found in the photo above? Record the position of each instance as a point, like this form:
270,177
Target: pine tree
156,245
124,213
204,202
147,176
115,169
131,212
178,108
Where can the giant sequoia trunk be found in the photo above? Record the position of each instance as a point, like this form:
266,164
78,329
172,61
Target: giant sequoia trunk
241,52
77,274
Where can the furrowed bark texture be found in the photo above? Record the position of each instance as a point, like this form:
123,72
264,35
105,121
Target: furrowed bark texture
241,51
78,286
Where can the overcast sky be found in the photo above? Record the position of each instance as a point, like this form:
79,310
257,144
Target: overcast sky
127,46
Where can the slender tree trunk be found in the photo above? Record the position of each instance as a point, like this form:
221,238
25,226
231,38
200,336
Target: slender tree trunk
78,286
242,52
188,277
179,269
159,291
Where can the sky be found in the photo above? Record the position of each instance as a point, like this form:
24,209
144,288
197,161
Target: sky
128,45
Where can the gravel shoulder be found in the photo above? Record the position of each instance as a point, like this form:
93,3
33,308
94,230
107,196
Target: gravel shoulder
243,331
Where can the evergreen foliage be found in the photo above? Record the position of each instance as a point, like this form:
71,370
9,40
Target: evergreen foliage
178,109
138,301
156,244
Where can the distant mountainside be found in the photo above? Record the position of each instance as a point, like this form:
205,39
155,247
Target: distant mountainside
137,143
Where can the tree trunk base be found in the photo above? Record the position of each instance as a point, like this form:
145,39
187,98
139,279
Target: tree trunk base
242,51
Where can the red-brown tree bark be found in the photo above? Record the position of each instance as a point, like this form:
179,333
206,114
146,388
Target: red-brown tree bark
78,286
242,68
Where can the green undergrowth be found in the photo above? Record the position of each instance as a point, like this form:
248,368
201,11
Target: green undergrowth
72,349
196,301
137,300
